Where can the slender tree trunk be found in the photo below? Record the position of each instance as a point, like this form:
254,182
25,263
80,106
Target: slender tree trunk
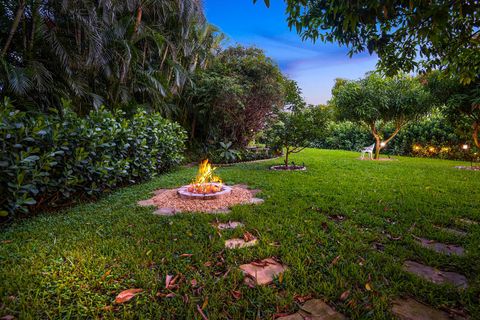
476,129
287,152
13,29
377,140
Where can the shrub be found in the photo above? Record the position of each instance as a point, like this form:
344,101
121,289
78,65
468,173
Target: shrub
54,160
432,136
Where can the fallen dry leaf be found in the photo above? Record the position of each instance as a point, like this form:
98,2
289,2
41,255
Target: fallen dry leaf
368,286
186,255
168,279
335,261
107,308
236,294
193,282
5,242
344,295
7,317
205,303
204,317
126,295
207,264
302,299
247,236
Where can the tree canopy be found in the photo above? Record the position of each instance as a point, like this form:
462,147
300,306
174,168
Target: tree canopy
375,101
406,35
101,52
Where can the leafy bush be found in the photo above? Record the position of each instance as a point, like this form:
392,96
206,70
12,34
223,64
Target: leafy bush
433,136
54,160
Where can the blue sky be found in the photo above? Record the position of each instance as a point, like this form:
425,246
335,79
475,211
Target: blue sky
313,65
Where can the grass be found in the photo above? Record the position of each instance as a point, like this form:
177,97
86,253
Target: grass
72,264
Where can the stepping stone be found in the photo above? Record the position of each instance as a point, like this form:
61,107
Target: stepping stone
456,232
467,221
315,309
262,272
229,225
434,275
146,203
440,247
164,212
238,243
410,309
257,201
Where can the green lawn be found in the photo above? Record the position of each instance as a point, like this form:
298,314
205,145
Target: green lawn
72,264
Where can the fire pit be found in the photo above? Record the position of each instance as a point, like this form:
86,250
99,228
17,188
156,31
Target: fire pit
206,185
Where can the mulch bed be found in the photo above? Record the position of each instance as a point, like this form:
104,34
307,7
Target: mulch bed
288,168
170,201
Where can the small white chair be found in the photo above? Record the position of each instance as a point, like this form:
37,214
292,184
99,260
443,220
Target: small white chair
368,150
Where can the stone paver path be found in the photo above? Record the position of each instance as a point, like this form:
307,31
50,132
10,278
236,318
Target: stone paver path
449,249
315,309
230,225
237,243
262,272
456,232
435,275
410,309
467,221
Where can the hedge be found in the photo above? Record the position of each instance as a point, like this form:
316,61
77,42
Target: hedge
430,137
54,160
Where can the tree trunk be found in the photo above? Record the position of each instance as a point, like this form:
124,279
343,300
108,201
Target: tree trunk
13,29
377,140
287,152
138,20
476,129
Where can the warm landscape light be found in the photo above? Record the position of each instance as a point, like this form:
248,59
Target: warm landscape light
465,147
431,149
416,147
382,144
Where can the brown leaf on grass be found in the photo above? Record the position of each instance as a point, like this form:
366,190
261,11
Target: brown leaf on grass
247,236
168,279
236,294
7,317
280,315
368,286
207,264
107,308
301,299
344,295
193,282
186,255
205,303
335,261
5,242
204,317
106,274
165,295
126,295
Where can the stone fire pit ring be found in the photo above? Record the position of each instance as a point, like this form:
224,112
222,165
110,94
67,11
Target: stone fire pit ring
185,194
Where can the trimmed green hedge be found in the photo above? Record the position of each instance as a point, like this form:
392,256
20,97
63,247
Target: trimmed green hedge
52,160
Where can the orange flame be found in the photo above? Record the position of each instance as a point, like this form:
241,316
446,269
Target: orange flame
206,181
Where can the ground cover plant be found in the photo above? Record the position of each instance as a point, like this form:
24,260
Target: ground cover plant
343,228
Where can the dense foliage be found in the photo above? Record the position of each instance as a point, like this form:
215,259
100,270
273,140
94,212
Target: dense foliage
406,35
432,136
232,99
113,53
375,101
48,161
462,102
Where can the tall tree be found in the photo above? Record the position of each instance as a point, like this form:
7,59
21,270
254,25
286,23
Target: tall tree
101,52
375,101
406,35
